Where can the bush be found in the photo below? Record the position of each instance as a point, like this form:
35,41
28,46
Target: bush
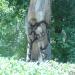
19,67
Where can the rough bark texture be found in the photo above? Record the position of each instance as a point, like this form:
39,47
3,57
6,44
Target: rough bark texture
37,21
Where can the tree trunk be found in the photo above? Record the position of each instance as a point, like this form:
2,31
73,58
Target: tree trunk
37,21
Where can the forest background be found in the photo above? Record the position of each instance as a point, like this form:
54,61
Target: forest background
13,40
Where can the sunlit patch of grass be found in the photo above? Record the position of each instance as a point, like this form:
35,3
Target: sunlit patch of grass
19,67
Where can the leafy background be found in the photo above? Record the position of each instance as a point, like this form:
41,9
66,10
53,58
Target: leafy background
13,40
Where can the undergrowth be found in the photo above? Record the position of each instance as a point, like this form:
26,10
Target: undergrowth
20,67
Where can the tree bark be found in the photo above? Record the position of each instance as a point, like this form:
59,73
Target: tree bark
37,21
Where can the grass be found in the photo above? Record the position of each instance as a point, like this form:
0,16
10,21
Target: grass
19,67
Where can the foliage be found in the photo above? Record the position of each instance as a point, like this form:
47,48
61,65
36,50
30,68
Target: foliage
19,67
12,31
63,20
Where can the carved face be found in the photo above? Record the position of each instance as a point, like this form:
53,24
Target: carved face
41,31
33,21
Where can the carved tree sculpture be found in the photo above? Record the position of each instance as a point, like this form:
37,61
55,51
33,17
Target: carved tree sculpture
37,21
